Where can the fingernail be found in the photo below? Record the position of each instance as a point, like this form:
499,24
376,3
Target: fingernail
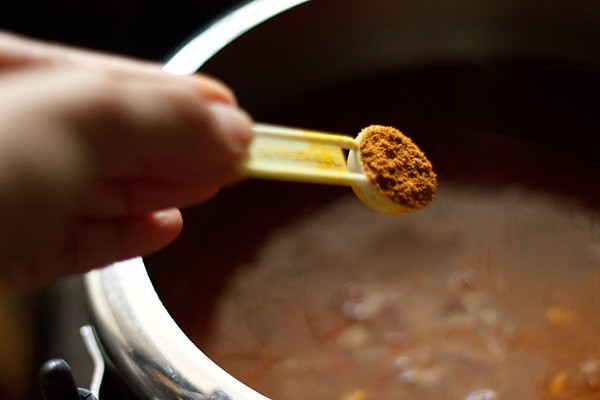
215,90
168,218
233,122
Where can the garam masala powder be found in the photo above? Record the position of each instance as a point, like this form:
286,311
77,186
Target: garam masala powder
397,167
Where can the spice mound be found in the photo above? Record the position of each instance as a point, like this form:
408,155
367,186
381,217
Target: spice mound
397,167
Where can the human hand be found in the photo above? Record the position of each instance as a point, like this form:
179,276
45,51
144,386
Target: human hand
98,152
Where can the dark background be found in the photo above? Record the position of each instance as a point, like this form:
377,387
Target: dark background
145,29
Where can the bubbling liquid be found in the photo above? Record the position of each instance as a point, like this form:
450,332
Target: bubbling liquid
482,295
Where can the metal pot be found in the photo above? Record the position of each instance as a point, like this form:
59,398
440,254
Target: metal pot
280,56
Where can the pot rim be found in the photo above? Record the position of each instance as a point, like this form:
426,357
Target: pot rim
135,329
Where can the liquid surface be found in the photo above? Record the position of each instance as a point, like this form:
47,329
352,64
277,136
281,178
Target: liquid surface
484,293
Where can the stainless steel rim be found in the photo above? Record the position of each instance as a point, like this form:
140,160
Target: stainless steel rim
141,339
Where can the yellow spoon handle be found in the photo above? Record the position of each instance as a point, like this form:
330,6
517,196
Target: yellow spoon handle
305,135
292,154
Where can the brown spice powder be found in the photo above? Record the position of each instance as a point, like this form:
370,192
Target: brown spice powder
397,167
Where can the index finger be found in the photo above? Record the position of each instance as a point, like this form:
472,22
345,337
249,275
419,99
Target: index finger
18,52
